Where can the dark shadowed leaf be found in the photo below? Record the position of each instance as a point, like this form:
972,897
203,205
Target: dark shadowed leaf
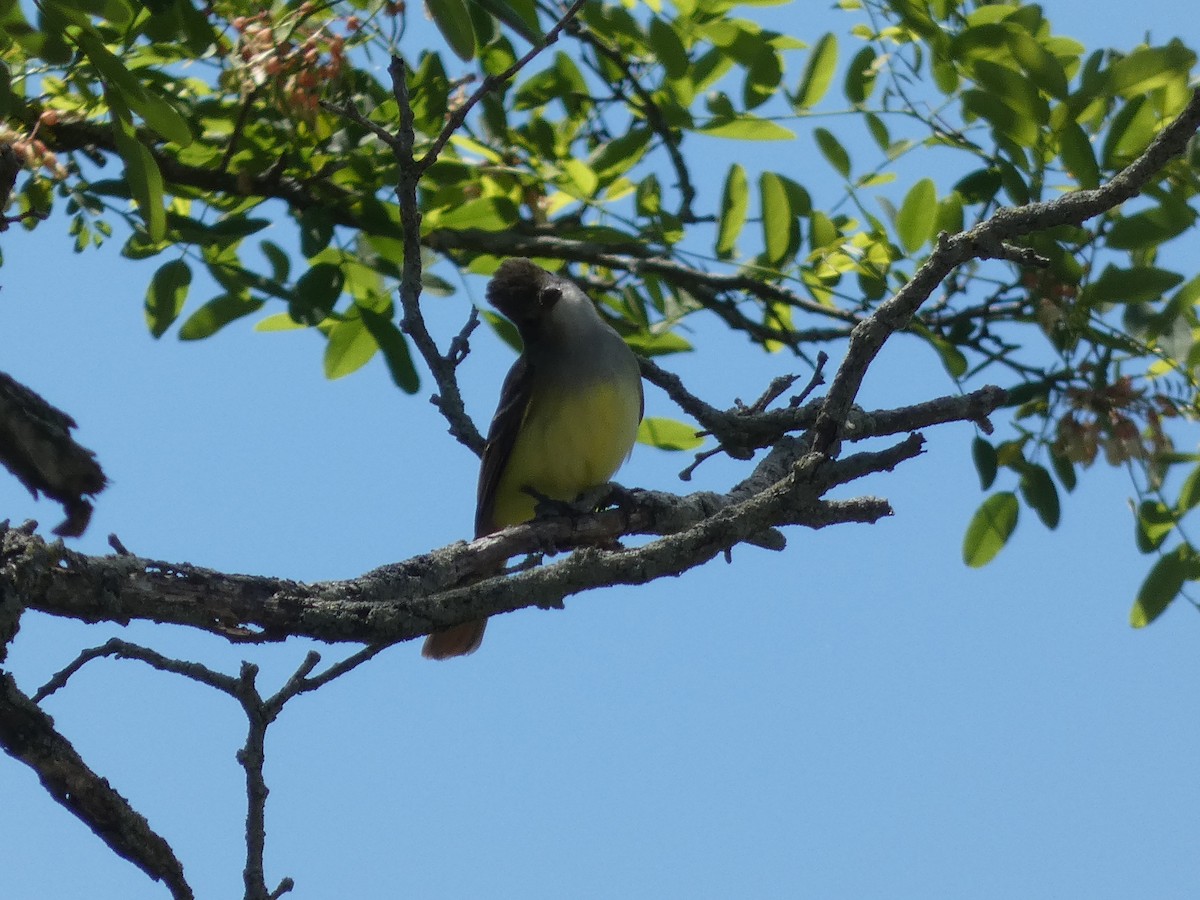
166,295
1162,585
453,20
1037,487
984,456
316,293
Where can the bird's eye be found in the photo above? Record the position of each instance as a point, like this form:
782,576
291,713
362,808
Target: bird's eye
549,296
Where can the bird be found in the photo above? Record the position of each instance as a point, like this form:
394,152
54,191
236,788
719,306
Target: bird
567,418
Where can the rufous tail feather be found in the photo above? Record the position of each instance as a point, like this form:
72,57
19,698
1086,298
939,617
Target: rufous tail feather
457,640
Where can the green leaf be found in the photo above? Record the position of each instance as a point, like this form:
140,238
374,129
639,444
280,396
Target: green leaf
1147,68
519,15
279,322
917,216
281,266
1040,494
1001,116
1153,523
316,230
159,115
1153,226
316,293
1078,156
763,75
747,128
984,456
818,72
392,343
141,169
1042,66
350,347
166,295
1012,89
1162,585
622,153
486,213
668,434
1136,284
990,528
859,81
1129,133
979,186
780,228
453,20
658,344
216,314
833,151
735,199
1189,494
668,48
952,358
1064,469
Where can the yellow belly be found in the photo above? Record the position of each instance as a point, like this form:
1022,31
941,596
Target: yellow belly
567,444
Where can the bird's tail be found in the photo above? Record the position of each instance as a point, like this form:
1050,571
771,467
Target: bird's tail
457,640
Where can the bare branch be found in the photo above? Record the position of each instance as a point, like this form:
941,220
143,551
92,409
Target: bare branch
443,587
259,713
28,734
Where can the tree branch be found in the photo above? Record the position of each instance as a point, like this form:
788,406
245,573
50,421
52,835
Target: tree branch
989,239
28,734
259,713
455,583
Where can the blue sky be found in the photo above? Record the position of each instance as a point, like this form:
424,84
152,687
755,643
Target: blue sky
859,716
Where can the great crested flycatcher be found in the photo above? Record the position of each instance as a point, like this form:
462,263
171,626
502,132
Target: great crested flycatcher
567,418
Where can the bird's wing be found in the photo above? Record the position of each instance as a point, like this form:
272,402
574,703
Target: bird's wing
502,435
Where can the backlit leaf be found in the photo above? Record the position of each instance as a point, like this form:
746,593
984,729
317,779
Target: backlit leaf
818,72
918,213
1154,522
747,128
350,347
668,434
778,222
735,199
990,528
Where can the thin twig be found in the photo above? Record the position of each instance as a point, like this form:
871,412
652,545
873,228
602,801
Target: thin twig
27,734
